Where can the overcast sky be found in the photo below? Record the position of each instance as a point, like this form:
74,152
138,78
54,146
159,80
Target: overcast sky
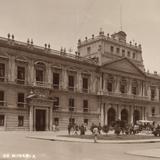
63,22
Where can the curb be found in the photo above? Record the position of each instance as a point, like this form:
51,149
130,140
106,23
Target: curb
98,141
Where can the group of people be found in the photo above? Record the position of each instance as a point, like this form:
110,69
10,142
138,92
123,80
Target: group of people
119,127
76,128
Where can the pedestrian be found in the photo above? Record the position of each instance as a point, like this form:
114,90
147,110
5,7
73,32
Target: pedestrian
95,132
69,128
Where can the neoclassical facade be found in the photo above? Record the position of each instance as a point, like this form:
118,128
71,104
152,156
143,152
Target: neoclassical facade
102,82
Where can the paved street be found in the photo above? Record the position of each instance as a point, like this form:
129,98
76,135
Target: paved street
17,143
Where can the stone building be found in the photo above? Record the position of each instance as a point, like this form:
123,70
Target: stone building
104,81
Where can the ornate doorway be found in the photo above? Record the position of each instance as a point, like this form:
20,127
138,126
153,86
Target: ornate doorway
40,120
136,116
111,116
124,115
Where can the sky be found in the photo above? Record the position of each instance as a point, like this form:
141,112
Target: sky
62,22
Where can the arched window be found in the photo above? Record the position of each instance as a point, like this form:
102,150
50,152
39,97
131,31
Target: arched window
111,116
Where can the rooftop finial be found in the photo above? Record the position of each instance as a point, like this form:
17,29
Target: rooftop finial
101,33
121,18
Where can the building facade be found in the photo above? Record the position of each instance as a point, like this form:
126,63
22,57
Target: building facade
103,81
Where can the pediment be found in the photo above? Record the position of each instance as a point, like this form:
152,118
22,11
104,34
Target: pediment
124,65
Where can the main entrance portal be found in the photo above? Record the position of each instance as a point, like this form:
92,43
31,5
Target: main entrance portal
40,120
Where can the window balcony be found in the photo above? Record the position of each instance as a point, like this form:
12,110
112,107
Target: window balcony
85,90
71,88
85,110
21,105
71,109
55,108
20,81
3,79
56,86
3,103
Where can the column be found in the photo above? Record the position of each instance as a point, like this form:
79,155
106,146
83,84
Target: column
143,113
79,81
118,112
31,118
102,113
139,88
106,115
92,83
157,93
12,69
129,86
64,78
31,73
49,75
47,119
148,91
51,119
100,83
131,114
117,84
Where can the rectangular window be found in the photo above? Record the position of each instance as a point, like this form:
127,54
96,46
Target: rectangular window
109,86
39,75
134,90
128,54
85,121
88,50
85,84
85,105
153,111
71,104
56,103
56,121
20,75
134,55
112,49
2,72
1,98
20,100
153,94
56,80
117,50
71,120
20,121
71,82
1,120
123,52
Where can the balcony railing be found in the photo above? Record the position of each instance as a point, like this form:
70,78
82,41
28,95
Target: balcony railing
3,79
55,108
71,108
42,84
125,95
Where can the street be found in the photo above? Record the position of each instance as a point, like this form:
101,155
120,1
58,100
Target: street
17,143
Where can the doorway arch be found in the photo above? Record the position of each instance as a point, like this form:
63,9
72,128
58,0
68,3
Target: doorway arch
111,114
136,116
124,115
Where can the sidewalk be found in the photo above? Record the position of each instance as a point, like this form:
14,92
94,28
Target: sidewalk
58,136
152,153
